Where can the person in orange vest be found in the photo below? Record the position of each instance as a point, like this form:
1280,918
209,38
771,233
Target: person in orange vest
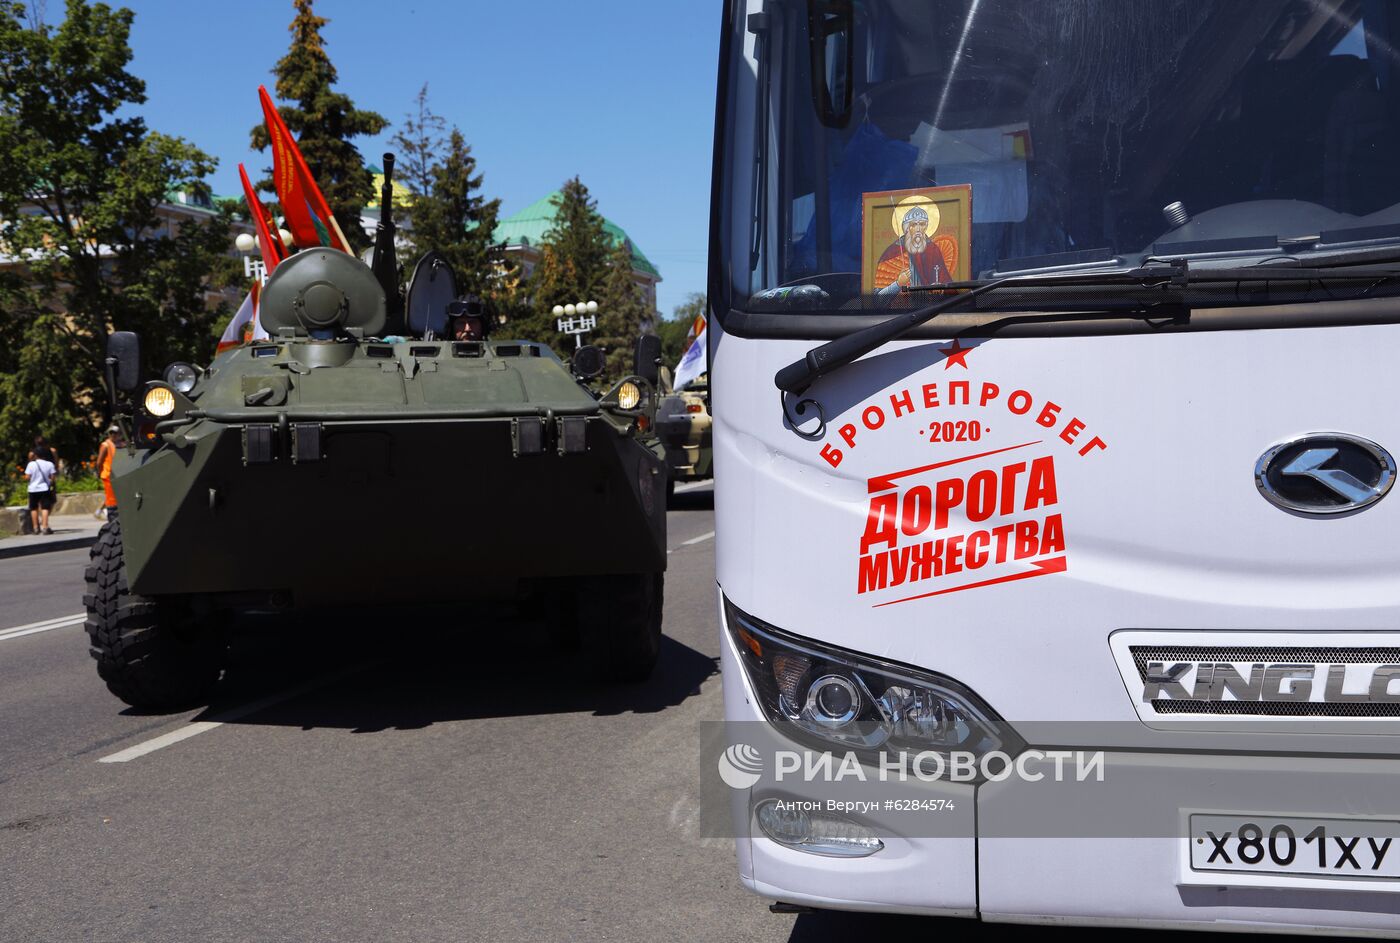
104,470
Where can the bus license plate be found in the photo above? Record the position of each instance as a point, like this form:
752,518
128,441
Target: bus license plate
1261,844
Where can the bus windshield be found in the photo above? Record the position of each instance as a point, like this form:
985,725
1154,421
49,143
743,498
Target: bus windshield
873,145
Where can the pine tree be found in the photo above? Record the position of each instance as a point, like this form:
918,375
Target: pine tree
573,265
452,217
621,311
324,122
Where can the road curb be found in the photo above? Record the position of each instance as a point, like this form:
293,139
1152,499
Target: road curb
48,546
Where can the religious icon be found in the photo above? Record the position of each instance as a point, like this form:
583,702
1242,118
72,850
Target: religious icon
915,238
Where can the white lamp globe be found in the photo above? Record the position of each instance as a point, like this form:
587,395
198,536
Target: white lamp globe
593,307
569,310
245,242
558,310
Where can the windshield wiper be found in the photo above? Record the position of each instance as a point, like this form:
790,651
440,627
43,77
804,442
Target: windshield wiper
800,374
1171,277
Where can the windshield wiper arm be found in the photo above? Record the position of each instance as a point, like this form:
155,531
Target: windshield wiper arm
797,376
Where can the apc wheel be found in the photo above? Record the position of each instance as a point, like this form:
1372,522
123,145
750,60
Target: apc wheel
619,622
152,653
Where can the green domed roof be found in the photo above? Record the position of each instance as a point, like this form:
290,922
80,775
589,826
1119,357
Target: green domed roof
528,227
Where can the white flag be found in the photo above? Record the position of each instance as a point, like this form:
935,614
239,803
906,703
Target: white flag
695,359
247,314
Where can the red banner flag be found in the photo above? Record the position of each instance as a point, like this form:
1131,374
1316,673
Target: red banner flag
287,181
270,244
308,215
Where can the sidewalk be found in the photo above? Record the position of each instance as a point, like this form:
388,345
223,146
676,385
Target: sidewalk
70,532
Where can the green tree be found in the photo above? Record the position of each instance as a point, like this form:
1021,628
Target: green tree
81,184
453,217
621,311
324,122
579,262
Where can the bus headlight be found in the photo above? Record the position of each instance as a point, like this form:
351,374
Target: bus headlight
159,401
836,697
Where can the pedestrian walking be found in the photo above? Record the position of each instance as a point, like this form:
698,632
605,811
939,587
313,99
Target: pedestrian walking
105,454
40,472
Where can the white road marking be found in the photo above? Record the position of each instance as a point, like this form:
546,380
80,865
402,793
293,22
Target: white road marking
697,540
34,627
195,728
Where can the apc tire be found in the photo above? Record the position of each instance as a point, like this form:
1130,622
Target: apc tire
619,622
152,653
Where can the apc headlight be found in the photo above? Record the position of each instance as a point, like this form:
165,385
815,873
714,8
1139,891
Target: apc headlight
835,697
181,376
629,395
159,401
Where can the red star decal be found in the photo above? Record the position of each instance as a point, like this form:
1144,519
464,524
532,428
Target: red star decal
957,354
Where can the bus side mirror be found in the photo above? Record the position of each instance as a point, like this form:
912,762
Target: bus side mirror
646,362
123,361
830,25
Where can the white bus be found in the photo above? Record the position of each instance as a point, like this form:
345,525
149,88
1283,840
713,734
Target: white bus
1053,374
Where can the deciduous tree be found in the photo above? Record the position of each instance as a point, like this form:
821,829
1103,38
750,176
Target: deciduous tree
81,183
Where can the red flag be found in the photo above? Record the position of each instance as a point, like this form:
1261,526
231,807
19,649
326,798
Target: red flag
308,214
286,180
270,245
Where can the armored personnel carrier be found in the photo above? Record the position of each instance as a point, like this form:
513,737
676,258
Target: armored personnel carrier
364,455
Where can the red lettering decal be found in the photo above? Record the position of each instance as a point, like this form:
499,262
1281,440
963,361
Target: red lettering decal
903,399
953,390
976,556
1002,534
1072,430
1094,443
990,391
872,572
930,395
981,496
953,552
848,432
1052,540
921,562
948,496
832,455
875,423
1008,488
1049,415
918,508
881,522
1041,490
1027,539
1024,397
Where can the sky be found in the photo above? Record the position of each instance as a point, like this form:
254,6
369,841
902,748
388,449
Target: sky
620,93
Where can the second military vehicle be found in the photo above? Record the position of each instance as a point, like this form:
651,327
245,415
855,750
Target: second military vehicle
364,454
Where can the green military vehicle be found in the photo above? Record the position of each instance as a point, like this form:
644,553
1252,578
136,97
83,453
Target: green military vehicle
365,455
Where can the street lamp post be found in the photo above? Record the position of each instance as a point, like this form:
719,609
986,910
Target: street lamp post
576,319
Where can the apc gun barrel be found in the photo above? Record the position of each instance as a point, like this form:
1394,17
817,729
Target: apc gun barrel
385,262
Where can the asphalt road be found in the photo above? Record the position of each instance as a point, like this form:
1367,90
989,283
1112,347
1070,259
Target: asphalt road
413,776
